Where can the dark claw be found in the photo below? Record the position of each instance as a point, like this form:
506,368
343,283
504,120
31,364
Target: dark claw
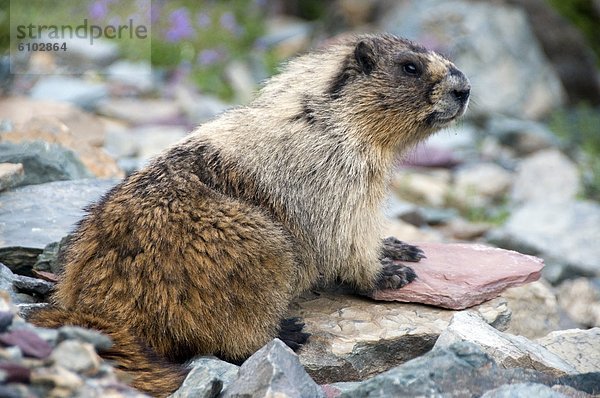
290,332
397,250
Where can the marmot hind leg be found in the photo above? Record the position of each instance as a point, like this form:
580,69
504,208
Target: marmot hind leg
290,332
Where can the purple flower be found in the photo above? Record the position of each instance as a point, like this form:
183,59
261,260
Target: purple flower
143,11
228,22
203,20
154,13
260,44
209,56
180,25
98,10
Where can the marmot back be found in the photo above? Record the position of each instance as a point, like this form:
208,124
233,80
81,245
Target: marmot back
202,251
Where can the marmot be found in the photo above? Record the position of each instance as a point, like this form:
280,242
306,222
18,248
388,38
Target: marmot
201,251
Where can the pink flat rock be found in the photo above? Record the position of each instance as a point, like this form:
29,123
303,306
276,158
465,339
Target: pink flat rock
461,275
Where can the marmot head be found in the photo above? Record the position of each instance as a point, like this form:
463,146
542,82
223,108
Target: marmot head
400,91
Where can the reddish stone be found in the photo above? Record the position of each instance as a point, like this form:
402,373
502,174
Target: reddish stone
15,373
458,276
430,156
45,275
30,343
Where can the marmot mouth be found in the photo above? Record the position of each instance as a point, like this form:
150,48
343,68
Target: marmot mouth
436,119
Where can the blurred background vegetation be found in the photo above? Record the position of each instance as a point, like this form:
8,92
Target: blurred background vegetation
204,35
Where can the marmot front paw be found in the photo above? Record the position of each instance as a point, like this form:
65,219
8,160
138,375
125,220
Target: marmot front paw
393,275
395,249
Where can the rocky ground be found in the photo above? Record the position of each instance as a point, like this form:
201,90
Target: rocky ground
499,178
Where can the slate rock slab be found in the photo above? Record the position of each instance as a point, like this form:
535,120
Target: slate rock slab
581,348
35,215
461,370
458,276
508,350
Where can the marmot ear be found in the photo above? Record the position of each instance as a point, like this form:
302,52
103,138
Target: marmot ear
365,57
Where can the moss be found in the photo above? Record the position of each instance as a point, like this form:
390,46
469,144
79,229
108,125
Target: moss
579,130
583,15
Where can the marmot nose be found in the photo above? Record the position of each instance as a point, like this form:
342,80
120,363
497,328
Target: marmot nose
462,95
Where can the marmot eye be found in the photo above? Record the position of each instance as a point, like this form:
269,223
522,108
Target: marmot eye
410,69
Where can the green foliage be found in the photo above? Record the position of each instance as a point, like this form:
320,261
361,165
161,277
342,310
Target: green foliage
582,14
490,215
201,36
206,35
579,129
4,26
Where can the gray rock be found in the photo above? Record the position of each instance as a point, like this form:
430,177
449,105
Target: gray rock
462,230
578,347
274,370
436,216
495,47
207,378
81,55
6,281
353,337
24,309
523,390
198,108
136,74
580,299
540,174
11,175
43,162
32,285
93,337
82,93
33,216
523,136
564,234
48,260
152,140
140,112
508,351
429,188
76,356
406,211
481,185
18,259
461,370
534,308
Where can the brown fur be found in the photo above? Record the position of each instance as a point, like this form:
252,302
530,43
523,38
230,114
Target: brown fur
201,251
